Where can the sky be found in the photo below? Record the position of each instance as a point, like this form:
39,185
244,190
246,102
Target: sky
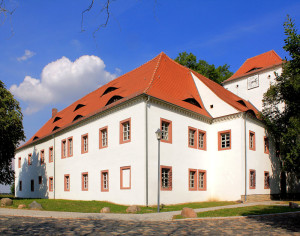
50,57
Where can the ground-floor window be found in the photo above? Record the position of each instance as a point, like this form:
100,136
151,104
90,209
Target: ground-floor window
50,184
67,182
192,179
202,180
125,175
40,179
252,181
266,180
104,181
166,177
32,185
84,182
20,185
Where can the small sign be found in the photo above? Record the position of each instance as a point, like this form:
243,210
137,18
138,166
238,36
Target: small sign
253,82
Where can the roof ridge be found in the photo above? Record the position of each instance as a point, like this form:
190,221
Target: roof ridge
272,50
154,72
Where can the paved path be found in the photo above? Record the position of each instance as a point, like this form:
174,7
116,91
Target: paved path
282,224
113,216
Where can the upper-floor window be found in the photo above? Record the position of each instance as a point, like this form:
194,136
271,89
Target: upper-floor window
166,178
192,137
201,139
266,145
70,146
63,148
42,157
125,131
19,162
224,140
252,180
29,159
103,139
50,154
84,143
252,140
166,129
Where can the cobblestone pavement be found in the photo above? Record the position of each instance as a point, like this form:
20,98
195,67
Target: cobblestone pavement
283,224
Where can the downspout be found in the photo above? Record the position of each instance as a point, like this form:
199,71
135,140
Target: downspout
54,179
146,131
245,138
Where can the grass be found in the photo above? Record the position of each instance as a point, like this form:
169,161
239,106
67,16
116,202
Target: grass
96,206
243,211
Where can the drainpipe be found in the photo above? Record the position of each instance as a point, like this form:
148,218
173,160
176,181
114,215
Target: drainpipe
54,179
146,131
245,138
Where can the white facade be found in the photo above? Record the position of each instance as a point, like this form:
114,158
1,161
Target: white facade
225,169
253,87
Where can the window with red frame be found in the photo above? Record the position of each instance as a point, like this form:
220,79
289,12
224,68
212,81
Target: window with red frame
266,180
104,181
192,137
125,131
224,140
67,182
201,139
252,140
85,181
201,180
166,129
42,157
19,162
50,154
266,145
70,146
252,180
192,179
63,149
84,143
103,139
166,178
125,175
29,159
50,184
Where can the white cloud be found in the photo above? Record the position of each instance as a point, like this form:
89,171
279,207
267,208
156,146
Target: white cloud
27,54
62,81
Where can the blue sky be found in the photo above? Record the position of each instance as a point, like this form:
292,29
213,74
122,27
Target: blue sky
37,61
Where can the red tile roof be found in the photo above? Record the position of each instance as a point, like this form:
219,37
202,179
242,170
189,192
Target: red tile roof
257,63
160,77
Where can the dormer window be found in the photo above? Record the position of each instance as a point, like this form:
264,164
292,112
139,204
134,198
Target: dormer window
77,117
55,128
78,106
56,119
113,99
242,103
192,101
35,138
108,90
253,69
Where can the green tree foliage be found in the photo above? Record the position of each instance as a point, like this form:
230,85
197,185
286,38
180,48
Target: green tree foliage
284,126
218,74
11,133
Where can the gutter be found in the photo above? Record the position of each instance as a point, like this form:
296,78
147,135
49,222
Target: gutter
245,138
54,179
146,131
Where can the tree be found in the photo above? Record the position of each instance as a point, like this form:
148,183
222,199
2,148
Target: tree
11,133
218,74
284,124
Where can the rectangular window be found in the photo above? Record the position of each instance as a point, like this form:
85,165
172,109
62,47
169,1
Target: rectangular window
84,143
103,139
50,184
125,175
85,181
252,181
32,185
19,162
29,159
40,179
20,185
42,157
166,129
50,154
224,140
192,179
201,139
266,180
70,146
104,181
63,149
125,131
166,178
266,145
192,137
67,182
252,140
202,180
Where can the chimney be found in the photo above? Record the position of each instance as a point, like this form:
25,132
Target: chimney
54,112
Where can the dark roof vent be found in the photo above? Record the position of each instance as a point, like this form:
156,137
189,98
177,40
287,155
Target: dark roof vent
242,103
108,90
78,106
55,128
253,69
192,101
77,117
56,119
113,99
35,138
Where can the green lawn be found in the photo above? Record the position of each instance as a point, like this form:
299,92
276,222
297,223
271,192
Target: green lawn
244,211
96,206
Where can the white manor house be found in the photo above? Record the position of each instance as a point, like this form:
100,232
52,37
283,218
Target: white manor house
104,147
